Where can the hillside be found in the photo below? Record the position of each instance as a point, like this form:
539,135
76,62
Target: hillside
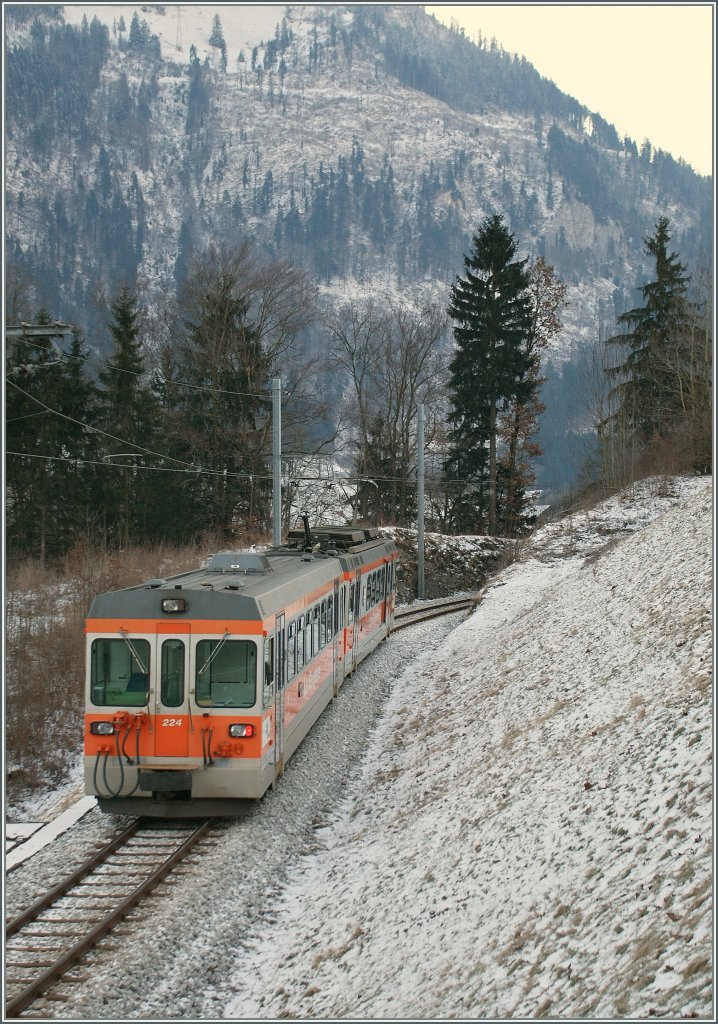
505,816
531,835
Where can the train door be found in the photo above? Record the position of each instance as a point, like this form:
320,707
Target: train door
382,590
356,603
168,699
334,627
280,648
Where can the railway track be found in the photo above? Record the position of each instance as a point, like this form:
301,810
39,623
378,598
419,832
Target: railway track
404,617
51,937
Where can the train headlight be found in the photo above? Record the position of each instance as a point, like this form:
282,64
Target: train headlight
174,604
102,728
238,729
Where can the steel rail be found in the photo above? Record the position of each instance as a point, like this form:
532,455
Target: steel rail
64,963
70,882
411,618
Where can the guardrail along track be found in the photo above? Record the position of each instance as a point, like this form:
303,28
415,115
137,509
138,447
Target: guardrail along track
50,938
404,617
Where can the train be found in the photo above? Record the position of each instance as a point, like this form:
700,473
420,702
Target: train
201,686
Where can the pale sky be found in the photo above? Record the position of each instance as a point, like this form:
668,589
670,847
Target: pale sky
645,68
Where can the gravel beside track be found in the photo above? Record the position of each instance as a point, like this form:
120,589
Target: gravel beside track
177,948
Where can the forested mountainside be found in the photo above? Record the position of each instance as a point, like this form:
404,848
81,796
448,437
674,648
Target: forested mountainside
363,143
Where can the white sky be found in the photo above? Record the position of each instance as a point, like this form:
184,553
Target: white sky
646,68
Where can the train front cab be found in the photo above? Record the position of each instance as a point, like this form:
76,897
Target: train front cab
165,704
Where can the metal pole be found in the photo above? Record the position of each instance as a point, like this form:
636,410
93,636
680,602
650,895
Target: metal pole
277,461
420,497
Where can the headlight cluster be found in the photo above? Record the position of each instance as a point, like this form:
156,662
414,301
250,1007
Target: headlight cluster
239,730
102,728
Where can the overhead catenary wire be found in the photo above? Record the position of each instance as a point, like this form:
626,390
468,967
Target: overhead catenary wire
97,430
175,383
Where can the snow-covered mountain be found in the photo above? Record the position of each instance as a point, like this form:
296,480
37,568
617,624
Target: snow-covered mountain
366,143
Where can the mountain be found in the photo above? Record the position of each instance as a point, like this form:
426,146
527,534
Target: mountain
365,143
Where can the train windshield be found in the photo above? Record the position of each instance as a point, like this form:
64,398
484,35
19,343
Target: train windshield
119,673
226,673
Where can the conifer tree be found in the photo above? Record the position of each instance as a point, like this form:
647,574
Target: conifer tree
51,482
130,414
644,394
491,311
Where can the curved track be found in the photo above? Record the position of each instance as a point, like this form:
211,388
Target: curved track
409,616
51,937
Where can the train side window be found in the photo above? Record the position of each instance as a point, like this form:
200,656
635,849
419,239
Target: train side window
300,643
331,629
382,585
315,630
172,674
268,669
341,607
292,650
350,605
323,626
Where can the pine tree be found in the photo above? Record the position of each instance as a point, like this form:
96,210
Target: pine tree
130,415
51,408
491,310
644,395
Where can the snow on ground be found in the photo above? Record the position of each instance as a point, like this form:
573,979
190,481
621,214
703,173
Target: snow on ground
516,823
531,834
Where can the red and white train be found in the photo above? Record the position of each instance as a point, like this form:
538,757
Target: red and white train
201,686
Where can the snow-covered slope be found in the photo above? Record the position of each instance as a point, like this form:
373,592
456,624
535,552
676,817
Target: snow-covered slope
532,833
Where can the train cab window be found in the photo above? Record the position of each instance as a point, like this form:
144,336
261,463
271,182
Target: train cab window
226,673
172,674
119,672
291,650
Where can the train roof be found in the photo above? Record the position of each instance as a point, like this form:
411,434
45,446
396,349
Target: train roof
243,585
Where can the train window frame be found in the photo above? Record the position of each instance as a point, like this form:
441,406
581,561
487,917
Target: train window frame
323,625
164,673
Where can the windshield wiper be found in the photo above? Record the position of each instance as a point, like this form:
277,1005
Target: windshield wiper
135,655
215,652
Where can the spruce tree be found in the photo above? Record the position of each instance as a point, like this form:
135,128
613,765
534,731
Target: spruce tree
491,311
51,408
644,393
130,414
